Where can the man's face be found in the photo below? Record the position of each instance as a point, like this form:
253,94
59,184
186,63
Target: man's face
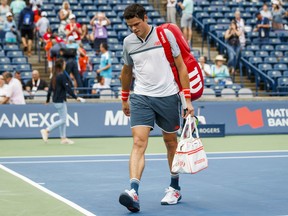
72,20
138,26
7,80
18,76
35,75
202,60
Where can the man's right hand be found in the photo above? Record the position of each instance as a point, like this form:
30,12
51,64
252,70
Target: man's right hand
126,108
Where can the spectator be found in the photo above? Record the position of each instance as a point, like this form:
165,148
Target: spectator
83,60
105,68
26,26
99,85
278,13
186,19
265,12
10,29
99,23
42,24
14,90
232,37
48,46
56,46
17,75
64,14
73,29
171,11
4,9
3,90
263,27
241,26
36,83
16,7
220,71
36,4
205,68
85,36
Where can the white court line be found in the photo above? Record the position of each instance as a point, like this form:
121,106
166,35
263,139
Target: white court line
149,154
45,190
126,160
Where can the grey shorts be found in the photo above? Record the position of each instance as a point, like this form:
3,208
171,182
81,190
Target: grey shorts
186,20
145,111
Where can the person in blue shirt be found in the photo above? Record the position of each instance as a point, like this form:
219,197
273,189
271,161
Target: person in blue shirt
10,29
60,85
186,19
105,68
263,27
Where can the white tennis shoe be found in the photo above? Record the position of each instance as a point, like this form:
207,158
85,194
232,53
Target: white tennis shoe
67,141
44,134
171,197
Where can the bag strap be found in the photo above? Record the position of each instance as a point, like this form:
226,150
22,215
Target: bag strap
188,126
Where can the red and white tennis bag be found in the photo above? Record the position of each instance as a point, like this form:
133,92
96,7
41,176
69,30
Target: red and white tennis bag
194,71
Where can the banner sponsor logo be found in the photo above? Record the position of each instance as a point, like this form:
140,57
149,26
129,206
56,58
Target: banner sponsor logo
247,117
277,117
115,119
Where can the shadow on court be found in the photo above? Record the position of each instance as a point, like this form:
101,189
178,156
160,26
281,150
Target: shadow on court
233,184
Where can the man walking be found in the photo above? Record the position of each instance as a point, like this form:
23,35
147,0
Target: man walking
155,99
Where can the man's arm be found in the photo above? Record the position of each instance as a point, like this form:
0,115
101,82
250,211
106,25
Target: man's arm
184,80
126,79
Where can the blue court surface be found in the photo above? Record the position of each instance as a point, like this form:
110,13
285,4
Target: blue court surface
247,183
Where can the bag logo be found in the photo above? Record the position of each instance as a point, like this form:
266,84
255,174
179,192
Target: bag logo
195,79
202,160
162,38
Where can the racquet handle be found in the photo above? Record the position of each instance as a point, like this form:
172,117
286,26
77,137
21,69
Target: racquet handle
183,100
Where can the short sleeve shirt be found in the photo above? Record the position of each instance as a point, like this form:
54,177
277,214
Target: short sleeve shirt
15,92
74,33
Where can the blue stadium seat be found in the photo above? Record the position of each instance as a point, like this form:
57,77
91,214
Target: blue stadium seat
117,67
275,41
115,82
274,74
83,20
216,15
89,8
88,75
115,47
112,41
208,82
229,15
120,27
284,60
210,9
247,53
5,60
154,14
116,20
253,47
112,34
281,47
223,21
224,9
113,3
217,89
267,47
79,14
104,8
19,60
73,2
54,20
95,61
6,67
285,73
54,27
56,2
280,67
23,67
204,3
11,47
246,15
158,21
100,3
123,34
47,7
251,10
145,3
253,35
276,54
261,54
149,8
26,76
265,67
119,8
86,2
14,54
115,61
2,53
235,87
271,60
111,14
255,60
51,13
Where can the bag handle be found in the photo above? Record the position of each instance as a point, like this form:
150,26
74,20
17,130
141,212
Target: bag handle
188,125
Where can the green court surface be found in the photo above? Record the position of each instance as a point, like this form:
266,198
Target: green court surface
20,198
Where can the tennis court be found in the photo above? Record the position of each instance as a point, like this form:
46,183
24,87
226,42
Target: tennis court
247,175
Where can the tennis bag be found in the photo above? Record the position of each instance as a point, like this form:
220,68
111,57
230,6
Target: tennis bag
190,156
194,71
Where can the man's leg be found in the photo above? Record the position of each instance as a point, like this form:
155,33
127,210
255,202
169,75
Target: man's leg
189,35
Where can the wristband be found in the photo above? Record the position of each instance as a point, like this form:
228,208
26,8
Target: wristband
125,95
187,93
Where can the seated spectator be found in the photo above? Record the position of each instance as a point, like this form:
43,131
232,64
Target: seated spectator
99,23
42,24
73,29
265,12
36,83
16,7
278,13
14,90
3,90
232,37
219,71
4,9
64,14
10,29
241,26
99,85
85,36
105,68
17,75
205,68
263,27
83,60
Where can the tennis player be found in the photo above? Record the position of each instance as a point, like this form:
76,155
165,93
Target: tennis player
60,85
155,99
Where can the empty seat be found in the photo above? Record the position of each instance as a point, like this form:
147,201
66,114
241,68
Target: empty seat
274,74
262,54
154,14
265,67
13,54
284,60
209,93
106,94
276,53
117,67
280,67
228,93
245,93
19,60
255,60
209,81
116,47
158,21
104,8
271,60
5,60
253,48
267,47
11,47
281,47
274,41
217,89
247,53
285,73
23,67
6,67
235,87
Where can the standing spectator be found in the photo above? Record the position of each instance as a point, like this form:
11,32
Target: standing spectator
205,68
56,46
36,83
263,27
232,37
64,14
85,36
16,7
4,9
36,4
99,23
219,71
105,67
17,75
10,29
26,26
278,13
171,11
59,86
99,85
46,37
83,60
241,26
42,24
14,91
48,46
3,91
73,29
186,19
265,12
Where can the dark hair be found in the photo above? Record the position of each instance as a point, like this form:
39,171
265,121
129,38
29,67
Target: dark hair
59,63
134,10
7,75
99,78
104,45
258,13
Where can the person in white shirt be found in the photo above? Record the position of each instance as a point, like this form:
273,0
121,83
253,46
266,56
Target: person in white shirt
205,68
99,85
171,11
241,26
3,90
14,90
42,24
